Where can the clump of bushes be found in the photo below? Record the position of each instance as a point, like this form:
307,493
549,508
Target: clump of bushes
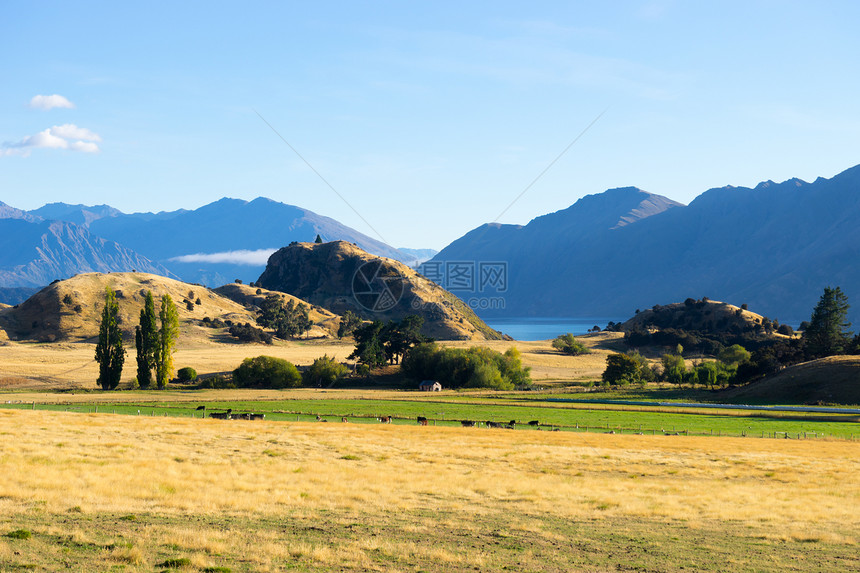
324,371
467,368
213,322
186,374
247,333
568,344
266,372
216,382
624,369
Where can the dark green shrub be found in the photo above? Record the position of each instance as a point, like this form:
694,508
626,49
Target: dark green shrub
324,372
266,372
186,374
247,333
567,344
474,367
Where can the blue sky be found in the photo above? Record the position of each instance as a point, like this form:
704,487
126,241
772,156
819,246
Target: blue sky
428,118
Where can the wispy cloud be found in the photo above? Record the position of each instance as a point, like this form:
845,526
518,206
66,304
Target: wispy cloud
46,102
239,257
67,136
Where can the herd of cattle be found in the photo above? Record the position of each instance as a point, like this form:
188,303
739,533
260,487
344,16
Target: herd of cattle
422,421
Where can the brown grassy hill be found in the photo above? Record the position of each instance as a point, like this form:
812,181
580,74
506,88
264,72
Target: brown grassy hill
325,323
71,309
710,316
340,276
832,380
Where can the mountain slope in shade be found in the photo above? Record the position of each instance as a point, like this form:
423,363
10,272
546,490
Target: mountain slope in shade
33,254
774,247
339,276
206,245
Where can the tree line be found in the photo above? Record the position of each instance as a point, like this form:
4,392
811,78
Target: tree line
154,337
827,333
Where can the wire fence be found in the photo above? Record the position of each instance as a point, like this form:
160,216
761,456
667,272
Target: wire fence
364,418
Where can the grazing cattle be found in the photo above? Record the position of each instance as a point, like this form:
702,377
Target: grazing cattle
422,421
492,424
512,423
385,419
510,426
220,415
256,416
534,423
318,418
343,419
467,423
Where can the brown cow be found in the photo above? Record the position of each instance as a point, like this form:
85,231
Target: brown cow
422,421
385,419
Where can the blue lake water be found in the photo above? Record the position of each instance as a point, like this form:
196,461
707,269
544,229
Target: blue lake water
535,328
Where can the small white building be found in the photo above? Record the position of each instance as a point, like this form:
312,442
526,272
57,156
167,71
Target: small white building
430,386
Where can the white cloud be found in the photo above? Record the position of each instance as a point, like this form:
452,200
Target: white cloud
45,103
57,137
240,257
71,131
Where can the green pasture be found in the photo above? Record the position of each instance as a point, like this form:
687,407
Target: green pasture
450,411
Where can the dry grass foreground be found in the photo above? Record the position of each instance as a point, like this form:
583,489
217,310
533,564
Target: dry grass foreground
102,491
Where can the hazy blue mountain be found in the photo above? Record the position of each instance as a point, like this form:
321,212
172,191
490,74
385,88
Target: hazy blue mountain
774,247
419,255
34,253
16,295
81,215
229,238
7,212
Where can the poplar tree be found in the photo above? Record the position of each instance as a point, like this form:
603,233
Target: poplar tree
146,342
827,333
110,354
167,336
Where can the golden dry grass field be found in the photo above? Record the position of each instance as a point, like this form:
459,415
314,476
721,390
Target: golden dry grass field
71,364
104,492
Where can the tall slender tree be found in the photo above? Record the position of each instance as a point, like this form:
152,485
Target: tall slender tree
827,333
146,342
110,354
167,336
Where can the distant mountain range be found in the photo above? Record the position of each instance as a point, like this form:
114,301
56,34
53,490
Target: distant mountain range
213,245
774,247
33,253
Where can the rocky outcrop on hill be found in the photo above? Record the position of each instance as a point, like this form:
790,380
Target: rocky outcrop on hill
339,276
